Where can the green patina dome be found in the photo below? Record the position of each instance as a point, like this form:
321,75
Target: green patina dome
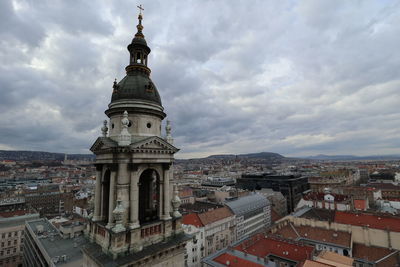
136,86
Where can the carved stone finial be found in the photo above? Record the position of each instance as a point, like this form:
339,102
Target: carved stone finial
125,136
176,202
118,214
168,129
104,129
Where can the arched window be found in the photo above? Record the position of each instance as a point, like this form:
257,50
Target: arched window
149,196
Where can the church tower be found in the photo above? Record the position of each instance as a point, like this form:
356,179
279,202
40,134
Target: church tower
136,221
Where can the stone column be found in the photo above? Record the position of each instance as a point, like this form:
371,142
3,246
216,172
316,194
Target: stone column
166,168
134,197
97,195
161,199
111,202
123,190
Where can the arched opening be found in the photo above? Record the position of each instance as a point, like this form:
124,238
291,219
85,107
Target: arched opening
106,195
149,196
138,57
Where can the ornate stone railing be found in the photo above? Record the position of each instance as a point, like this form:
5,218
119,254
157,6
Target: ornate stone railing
149,230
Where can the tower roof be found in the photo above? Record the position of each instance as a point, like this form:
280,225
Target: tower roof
137,89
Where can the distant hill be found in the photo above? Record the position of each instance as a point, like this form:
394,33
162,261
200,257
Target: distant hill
270,156
262,155
40,155
352,157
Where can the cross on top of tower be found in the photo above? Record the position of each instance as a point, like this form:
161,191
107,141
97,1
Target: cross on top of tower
140,9
139,26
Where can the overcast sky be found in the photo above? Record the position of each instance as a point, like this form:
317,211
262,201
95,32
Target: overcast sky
292,77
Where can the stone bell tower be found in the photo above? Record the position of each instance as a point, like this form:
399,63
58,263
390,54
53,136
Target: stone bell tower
136,221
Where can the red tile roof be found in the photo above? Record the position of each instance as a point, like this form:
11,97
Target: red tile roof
215,215
7,214
371,220
370,253
385,186
231,260
262,246
192,219
360,204
315,233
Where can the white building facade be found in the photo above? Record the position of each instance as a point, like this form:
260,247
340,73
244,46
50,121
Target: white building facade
253,213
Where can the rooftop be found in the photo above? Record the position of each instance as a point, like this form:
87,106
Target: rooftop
261,246
94,251
335,259
311,263
339,238
320,196
17,220
370,253
215,215
383,222
235,261
13,213
192,219
318,214
245,206
55,246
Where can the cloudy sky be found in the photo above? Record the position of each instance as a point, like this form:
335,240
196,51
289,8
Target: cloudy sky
293,77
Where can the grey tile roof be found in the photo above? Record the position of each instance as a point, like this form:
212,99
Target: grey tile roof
246,205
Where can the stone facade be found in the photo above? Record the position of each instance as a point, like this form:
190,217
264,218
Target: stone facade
12,227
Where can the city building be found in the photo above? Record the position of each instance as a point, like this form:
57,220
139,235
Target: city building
12,224
322,239
195,247
219,229
277,200
44,246
199,207
252,214
136,221
291,186
49,200
217,181
262,250
186,195
327,201
12,204
329,259
369,229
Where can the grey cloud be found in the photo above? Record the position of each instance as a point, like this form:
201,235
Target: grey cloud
295,78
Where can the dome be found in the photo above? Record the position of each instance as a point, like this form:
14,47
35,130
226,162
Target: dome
139,41
136,86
